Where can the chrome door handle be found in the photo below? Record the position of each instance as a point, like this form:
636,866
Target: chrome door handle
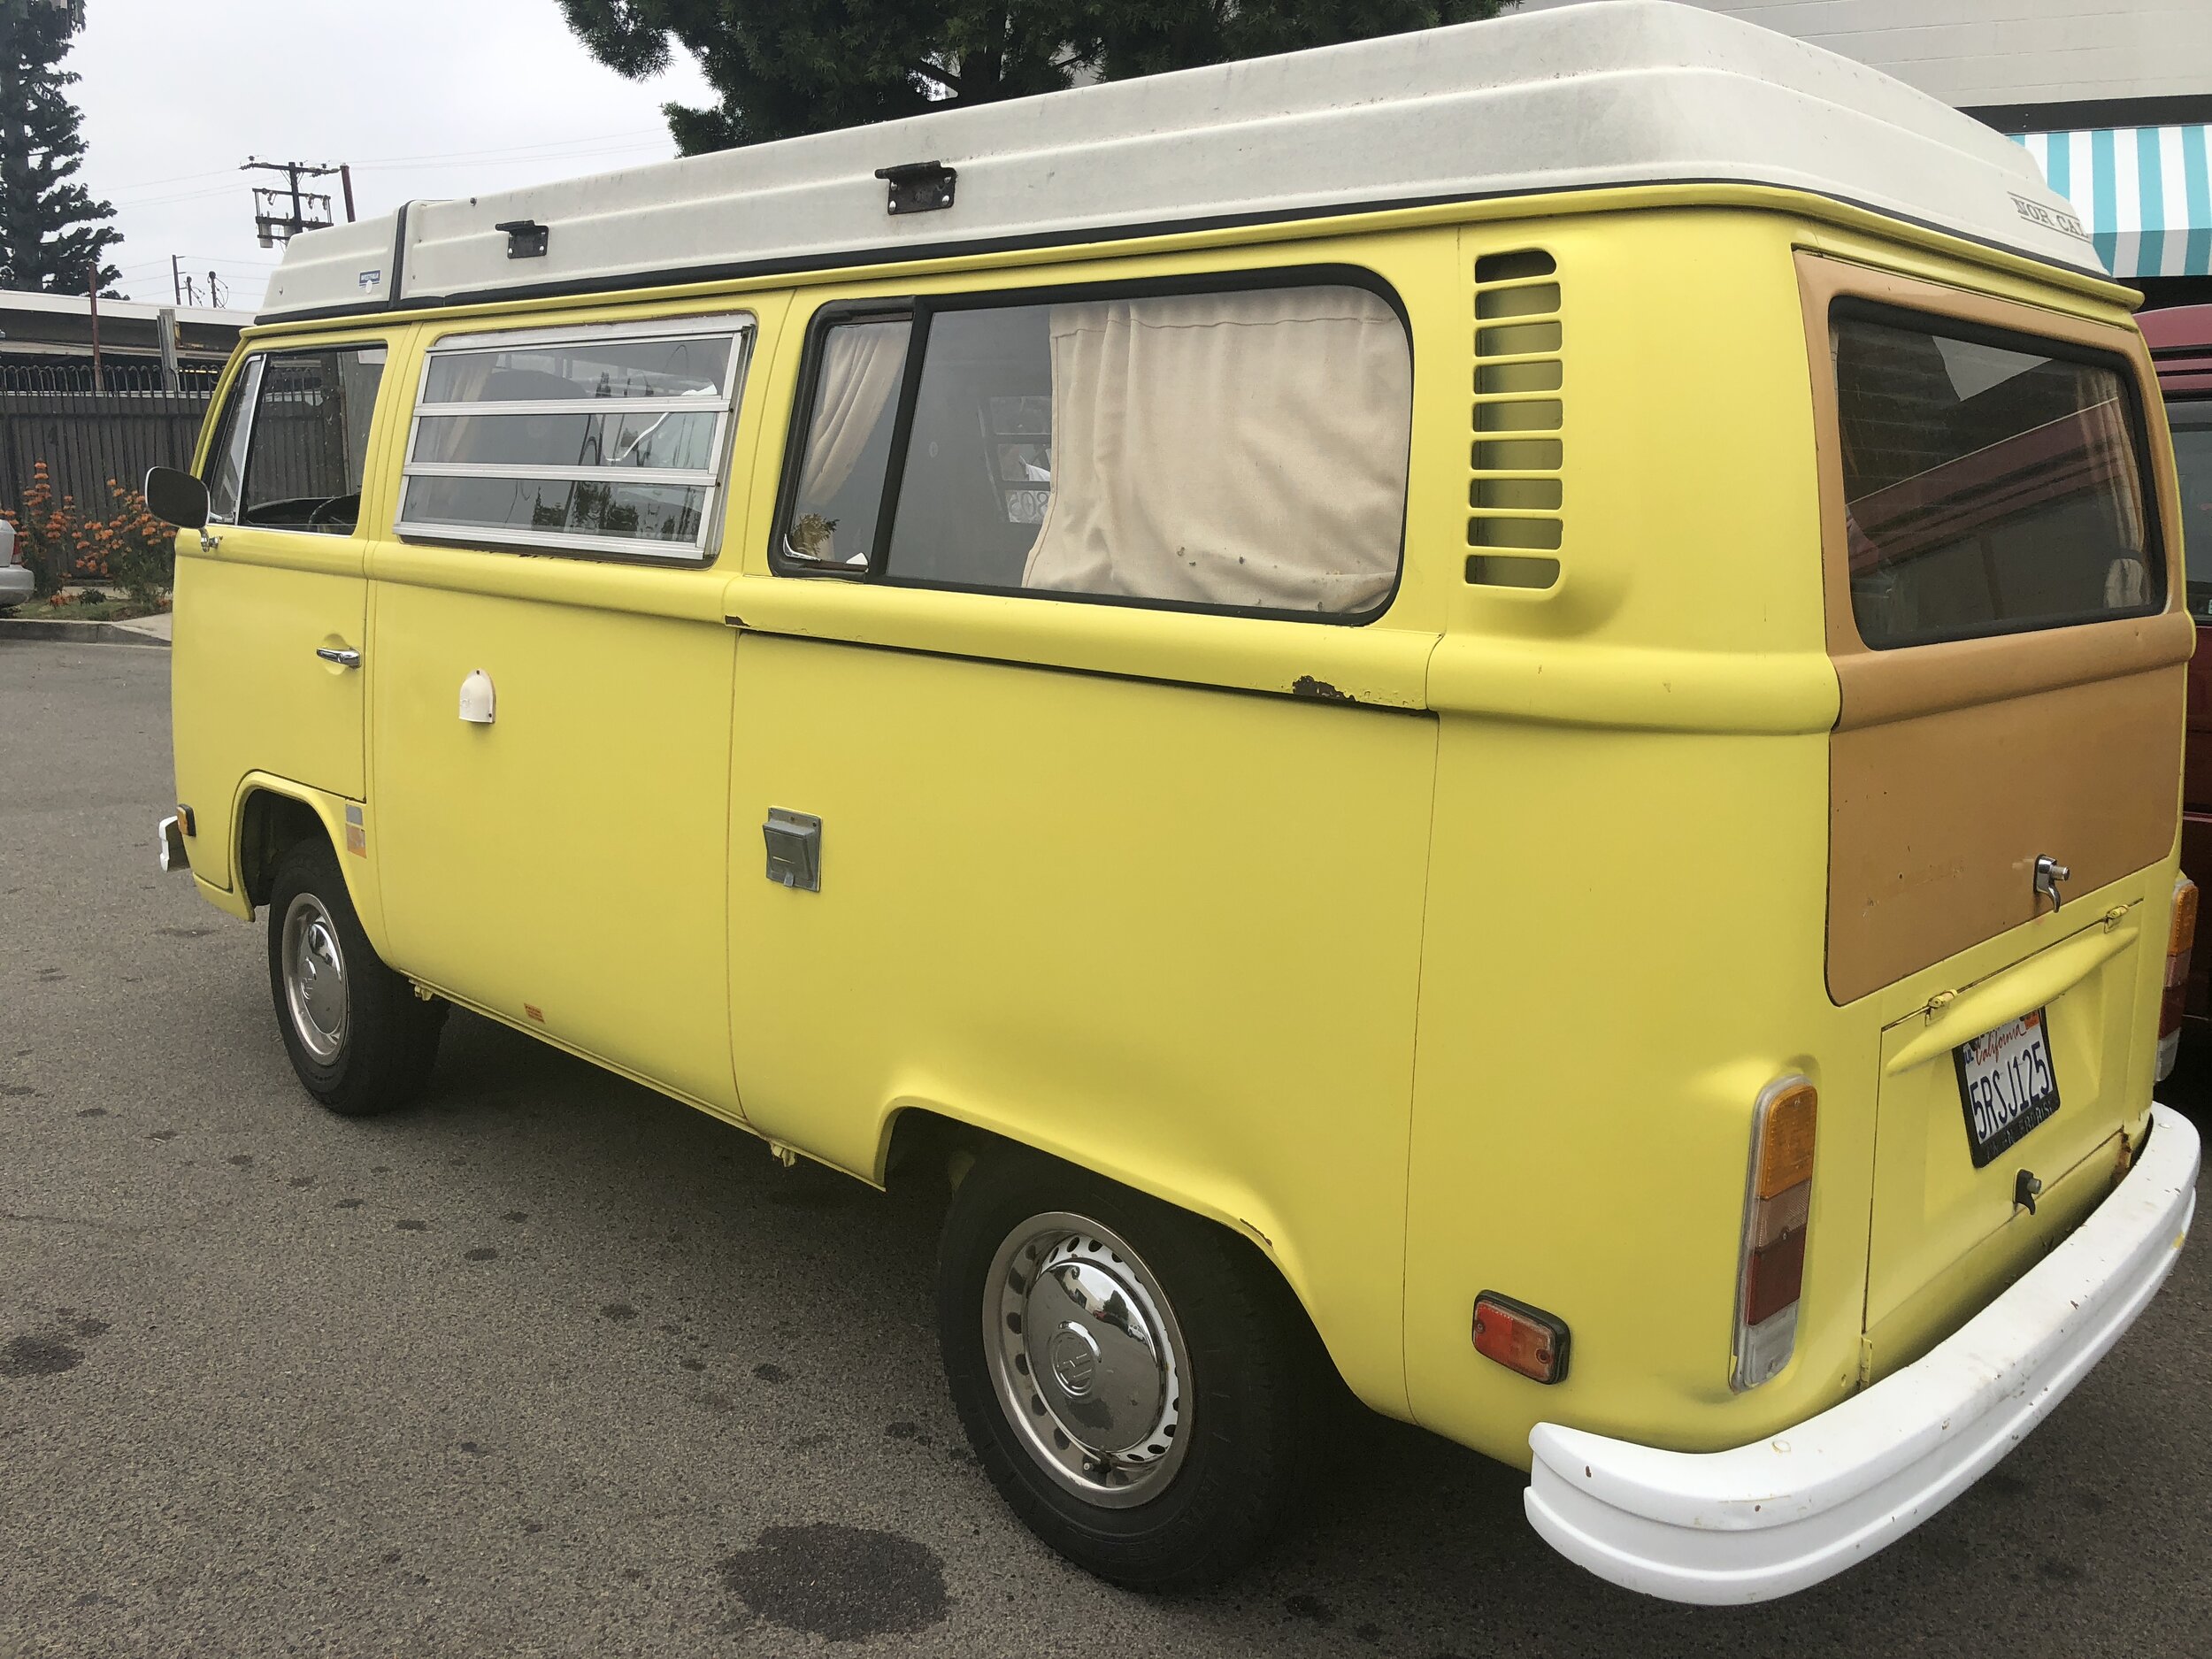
2048,874
340,654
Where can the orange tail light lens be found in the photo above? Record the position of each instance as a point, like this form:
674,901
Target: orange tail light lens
1777,1214
2180,938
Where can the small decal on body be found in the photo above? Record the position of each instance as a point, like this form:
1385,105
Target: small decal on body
2049,218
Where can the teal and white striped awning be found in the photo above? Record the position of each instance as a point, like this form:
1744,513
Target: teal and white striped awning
2144,194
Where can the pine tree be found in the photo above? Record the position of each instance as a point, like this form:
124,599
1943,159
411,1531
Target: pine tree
52,237
781,67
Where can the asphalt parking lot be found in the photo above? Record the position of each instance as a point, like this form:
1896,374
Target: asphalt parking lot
554,1365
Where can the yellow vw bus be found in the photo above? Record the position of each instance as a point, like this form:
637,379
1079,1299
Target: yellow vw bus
1497,712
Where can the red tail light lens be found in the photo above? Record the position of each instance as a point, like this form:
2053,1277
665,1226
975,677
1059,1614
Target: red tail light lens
2180,938
1777,1214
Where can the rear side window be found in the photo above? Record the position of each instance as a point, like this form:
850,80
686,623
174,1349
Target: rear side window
1242,450
2193,450
595,440
295,441
1991,486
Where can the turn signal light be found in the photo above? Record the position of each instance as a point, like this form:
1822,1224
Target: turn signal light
1520,1338
1786,1143
1778,1215
2180,937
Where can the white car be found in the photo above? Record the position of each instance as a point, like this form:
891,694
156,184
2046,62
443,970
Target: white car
15,579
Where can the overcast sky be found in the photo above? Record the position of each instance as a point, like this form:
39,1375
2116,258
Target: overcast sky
424,98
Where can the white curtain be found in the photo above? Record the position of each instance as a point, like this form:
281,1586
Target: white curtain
861,367
1242,448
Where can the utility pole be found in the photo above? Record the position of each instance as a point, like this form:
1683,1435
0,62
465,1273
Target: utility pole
214,292
92,289
165,324
273,225
176,276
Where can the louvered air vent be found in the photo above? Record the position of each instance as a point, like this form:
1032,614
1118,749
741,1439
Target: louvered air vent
1513,528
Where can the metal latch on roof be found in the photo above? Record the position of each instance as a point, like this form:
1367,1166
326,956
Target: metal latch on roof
525,238
918,187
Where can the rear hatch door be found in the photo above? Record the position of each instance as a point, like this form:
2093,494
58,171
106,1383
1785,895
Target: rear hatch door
2004,615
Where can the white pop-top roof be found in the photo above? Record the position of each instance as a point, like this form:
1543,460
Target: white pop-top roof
1626,91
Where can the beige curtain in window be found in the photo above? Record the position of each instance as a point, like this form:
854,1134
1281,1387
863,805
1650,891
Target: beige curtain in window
1228,448
860,370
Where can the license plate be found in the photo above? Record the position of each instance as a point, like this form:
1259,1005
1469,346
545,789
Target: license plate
2007,1083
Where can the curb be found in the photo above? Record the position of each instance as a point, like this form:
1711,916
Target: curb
78,633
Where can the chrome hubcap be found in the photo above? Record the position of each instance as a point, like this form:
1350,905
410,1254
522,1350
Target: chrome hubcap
1087,1359
314,976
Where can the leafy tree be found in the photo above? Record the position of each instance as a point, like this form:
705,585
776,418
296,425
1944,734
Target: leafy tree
51,236
783,67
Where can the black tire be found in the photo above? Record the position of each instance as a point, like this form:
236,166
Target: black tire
1253,1400
367,1047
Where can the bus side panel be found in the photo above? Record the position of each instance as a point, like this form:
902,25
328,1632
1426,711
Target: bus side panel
1171,934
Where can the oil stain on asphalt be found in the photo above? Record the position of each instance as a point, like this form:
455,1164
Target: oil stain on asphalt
37,1356
840,1583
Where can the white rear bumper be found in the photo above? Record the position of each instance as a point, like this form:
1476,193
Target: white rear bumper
1766,1519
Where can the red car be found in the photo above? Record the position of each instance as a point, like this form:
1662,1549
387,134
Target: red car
2181,345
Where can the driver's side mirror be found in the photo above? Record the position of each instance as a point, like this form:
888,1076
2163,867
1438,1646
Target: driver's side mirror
177,496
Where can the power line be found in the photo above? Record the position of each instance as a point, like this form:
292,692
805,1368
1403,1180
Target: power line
639,135
161,201
178,177
632,138
580,155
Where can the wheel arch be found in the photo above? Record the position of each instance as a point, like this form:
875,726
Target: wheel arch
271,815
919,1134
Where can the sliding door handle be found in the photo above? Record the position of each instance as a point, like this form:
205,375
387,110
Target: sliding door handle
343,656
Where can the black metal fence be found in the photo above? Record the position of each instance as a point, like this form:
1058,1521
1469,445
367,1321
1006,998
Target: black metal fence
87,437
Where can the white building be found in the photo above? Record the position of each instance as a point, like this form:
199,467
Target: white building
2112,98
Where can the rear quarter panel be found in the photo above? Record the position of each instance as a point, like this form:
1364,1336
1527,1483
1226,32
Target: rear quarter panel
1624,912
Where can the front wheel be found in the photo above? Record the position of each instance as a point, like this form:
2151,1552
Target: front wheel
360,1037
1139,1384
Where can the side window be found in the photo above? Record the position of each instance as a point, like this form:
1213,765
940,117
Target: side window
297,463
226,456
833,518
1993,483
608,439
2192,453
1241,450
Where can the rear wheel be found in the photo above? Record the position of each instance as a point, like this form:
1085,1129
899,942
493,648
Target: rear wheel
360,1037
1138,1383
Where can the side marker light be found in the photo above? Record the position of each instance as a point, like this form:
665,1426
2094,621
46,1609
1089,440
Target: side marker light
1521,1338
